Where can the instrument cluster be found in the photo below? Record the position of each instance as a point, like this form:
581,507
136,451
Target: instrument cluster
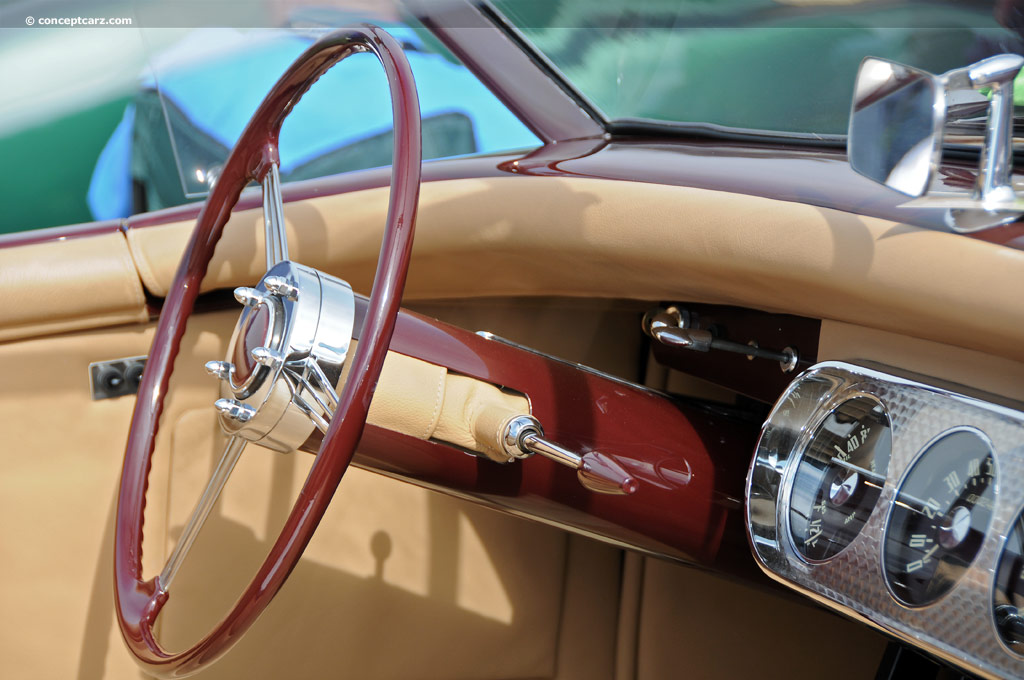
898,503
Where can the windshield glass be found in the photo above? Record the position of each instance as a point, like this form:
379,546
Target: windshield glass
200,92
208,84
782,65
145,113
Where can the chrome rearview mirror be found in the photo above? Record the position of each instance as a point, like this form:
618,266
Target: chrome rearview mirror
898,126
895,135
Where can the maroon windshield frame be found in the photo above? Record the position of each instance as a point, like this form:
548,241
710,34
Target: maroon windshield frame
520,77
138,602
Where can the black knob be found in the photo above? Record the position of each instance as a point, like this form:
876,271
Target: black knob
110,380
133,375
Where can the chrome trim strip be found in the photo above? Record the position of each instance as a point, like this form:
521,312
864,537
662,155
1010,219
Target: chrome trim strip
586,369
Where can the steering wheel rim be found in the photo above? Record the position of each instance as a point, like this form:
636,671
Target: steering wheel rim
138,602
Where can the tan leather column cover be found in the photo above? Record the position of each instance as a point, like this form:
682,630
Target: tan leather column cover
422,400
61,286
408,397
474,414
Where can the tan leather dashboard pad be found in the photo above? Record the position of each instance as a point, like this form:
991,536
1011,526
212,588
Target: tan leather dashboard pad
61,286
573,237
529,236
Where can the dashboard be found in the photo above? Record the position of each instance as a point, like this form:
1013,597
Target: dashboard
898,503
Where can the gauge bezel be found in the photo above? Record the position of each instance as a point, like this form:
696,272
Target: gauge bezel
960,626
855,391
1004,540
887,525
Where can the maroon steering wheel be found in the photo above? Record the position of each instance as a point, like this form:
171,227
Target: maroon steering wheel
138,602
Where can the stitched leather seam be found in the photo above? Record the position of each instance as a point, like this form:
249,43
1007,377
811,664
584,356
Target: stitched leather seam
143,266
438,400
132,279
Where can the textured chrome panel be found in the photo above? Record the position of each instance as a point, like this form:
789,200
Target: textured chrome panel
958,627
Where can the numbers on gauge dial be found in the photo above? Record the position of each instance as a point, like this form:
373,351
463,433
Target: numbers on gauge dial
839,477
940,516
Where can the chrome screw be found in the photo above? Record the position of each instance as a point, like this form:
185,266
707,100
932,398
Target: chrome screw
250,297
279,286
235,410
219,369
267,356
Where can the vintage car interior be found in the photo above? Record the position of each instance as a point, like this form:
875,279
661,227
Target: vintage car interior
712,379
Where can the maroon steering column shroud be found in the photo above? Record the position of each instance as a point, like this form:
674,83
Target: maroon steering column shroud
138,602
689,463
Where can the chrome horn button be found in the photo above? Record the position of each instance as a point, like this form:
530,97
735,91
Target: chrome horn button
285,357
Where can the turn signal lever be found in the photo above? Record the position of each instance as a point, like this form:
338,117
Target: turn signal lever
523,437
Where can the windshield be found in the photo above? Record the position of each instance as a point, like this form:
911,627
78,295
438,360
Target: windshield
144,114
785,65
208,84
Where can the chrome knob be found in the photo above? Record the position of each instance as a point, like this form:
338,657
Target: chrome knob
279,286
597,472
219,369
674,327
250,297
235,410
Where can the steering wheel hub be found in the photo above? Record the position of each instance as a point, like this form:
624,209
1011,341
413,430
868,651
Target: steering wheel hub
286,356
255,328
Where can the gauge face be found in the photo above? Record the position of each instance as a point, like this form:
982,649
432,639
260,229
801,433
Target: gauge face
940,516
1008,596
839,478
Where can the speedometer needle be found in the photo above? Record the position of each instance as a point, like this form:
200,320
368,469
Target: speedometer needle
873,476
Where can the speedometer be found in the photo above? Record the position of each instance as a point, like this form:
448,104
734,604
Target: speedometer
941,514
839,477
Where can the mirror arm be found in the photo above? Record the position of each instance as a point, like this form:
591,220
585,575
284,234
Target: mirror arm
994,182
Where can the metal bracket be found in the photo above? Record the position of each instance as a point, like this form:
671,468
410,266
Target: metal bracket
116,378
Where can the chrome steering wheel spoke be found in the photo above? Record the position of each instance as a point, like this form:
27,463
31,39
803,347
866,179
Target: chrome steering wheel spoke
228,458
320,420
273,218
307,377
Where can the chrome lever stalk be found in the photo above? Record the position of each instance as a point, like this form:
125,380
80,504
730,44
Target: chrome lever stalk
597,472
